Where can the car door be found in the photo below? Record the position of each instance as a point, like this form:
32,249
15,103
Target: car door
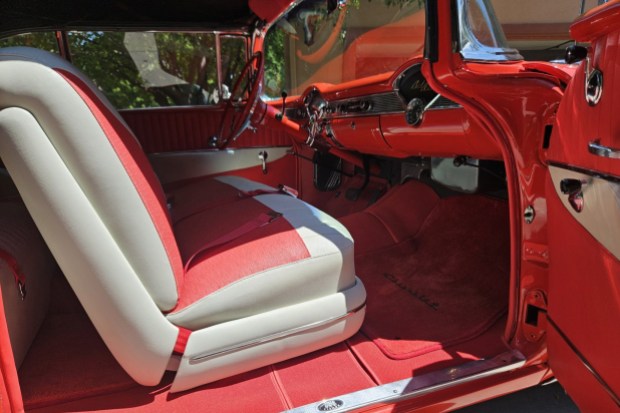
583,201
172,89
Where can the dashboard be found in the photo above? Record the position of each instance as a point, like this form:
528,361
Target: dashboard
403,117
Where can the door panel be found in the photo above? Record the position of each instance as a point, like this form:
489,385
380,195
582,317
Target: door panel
174,167
584,300
189,128
583,207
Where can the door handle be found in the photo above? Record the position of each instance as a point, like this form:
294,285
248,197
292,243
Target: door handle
262,156
574,189
595,148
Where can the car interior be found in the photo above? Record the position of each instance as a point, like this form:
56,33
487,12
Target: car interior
173,256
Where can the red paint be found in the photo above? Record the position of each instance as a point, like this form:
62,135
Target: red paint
597,22
10,393
583,280
362,134
578,123
268,10
583,300
513,105
444,133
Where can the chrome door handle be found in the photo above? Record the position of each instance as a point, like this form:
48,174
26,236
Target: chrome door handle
595,148
262,156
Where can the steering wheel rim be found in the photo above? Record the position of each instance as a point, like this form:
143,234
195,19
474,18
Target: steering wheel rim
235,121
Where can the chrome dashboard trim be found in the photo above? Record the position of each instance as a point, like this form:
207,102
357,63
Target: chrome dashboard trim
368,105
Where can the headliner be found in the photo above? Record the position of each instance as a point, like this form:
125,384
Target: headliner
31,15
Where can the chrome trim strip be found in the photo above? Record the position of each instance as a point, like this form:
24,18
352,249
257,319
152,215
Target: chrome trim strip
277,336
595,148
417,386
585,362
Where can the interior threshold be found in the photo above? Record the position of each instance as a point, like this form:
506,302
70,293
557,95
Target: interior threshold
417,386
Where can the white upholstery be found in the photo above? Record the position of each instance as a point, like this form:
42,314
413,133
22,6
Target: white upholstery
226,335
68,124
117,257
116,301
21,240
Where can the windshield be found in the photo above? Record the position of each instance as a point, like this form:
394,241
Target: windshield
335,41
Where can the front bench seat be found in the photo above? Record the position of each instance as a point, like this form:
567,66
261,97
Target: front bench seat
163,295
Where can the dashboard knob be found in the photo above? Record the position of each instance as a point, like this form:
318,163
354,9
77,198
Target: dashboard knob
414,111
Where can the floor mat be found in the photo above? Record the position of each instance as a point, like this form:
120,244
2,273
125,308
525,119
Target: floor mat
386,370
445,285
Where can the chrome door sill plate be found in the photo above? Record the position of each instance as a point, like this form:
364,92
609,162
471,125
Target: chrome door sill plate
417,386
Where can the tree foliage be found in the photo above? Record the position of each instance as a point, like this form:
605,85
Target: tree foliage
186,61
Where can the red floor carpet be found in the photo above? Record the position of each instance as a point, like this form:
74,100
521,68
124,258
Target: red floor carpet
444,284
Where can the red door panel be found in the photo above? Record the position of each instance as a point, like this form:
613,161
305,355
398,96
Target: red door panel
583,207
189,128
584,303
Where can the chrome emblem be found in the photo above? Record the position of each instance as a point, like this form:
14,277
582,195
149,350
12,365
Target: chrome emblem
330,405
594,87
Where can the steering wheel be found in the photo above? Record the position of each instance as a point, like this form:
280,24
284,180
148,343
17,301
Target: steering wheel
237,115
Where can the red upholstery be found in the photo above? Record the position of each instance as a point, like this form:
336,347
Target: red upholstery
198,196
195,223
249,254
183,129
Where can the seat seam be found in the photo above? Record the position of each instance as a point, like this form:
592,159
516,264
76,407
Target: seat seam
246,279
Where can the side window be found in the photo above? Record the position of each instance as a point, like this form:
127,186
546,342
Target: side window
146,69
40,40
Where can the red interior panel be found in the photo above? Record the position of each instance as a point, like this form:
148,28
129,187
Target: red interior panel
190,128
445,132
583,296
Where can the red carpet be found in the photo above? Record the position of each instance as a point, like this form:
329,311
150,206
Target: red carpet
444,285
386,370
68,361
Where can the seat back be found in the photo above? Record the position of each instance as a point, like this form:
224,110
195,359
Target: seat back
97,202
